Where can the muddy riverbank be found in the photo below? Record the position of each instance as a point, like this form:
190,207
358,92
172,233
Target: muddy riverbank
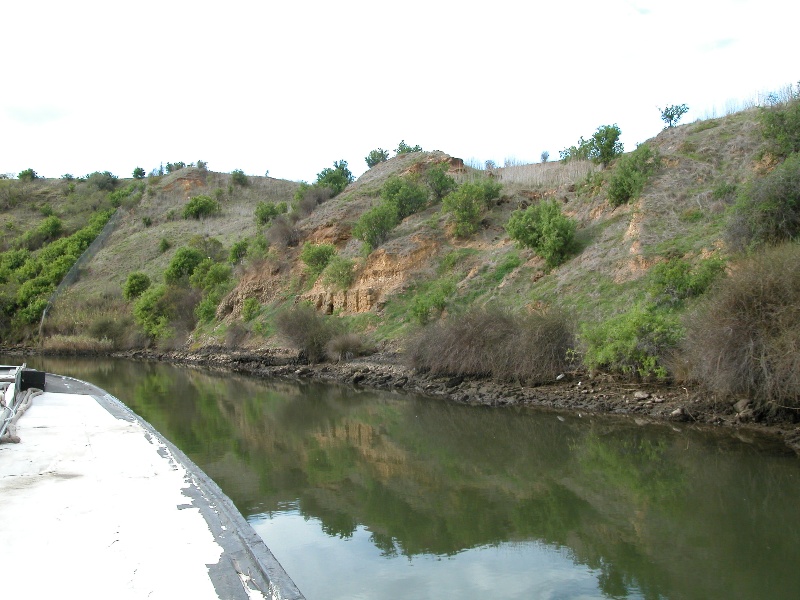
575,392
579,393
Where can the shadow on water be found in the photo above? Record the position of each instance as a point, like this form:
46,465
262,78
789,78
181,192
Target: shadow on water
655,512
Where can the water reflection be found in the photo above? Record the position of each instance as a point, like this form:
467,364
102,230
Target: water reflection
636,511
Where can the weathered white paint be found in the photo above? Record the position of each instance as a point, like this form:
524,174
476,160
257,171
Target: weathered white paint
94,506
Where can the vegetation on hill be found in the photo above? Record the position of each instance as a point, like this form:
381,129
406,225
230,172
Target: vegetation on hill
640,265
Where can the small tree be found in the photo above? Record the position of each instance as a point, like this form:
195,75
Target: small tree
403,148
605,144
545,156
27,175
439,181
239,178
337,178
376,156
672,114
105,181
138,173
135,285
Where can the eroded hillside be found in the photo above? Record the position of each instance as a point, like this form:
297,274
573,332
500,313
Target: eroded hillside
260,247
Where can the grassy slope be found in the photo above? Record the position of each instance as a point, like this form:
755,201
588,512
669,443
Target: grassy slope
680,213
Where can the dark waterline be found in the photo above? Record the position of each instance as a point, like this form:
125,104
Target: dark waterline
374,495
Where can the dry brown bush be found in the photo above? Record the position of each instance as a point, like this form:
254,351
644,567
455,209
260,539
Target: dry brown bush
745,338
283,233
314,196
491,342
345,346
306,330
77,344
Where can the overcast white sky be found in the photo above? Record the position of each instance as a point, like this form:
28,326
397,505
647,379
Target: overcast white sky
290,87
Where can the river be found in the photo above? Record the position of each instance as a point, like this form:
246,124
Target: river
363,494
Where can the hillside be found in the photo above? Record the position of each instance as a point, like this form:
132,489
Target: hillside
682,220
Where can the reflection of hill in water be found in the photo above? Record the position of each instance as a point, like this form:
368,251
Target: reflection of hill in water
684,514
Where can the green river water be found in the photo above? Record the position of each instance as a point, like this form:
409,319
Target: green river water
361,494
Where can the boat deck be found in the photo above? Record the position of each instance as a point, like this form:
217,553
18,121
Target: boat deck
94,501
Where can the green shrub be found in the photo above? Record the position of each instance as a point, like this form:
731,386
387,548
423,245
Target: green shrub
50,228
374,226
432,299
408,197
631,173
163,245
529,348
439,182
201,206
336,178
636,342
151,312
209,246
132,191
104,181
135,285
266,211
206,309
183,264
316,256
208,275
781,127
376,157
339,273
767,211
672,282
744,337
307,331
213,279
27,175
545,230
138,173
465,207
258,248
250,309
238,251
239,178
166,311
579,152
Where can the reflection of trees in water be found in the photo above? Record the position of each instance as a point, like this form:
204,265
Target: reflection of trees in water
665,513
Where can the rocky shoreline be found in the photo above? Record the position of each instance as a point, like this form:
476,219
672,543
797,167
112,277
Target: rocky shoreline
574,392
577,393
